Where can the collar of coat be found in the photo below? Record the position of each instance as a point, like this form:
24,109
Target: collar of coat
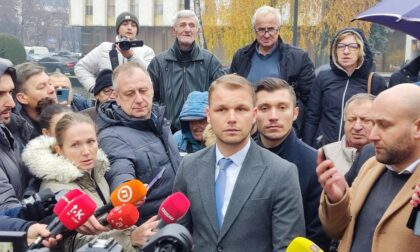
44,164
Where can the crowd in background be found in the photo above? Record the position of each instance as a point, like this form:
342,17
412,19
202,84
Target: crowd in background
265,151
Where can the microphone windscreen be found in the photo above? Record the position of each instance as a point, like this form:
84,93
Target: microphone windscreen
77,212
174,207
64,201
123,216
302,244
129,192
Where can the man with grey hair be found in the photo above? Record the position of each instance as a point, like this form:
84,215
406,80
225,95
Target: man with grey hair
357,127
183,68
136,137
268,56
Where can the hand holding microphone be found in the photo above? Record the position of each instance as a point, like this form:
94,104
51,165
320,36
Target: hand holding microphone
130,192
121,217
71,217
172,209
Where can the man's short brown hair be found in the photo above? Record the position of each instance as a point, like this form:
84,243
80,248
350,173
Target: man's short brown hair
232,81
274,84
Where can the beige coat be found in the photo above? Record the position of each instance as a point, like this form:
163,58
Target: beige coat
391,233
57,173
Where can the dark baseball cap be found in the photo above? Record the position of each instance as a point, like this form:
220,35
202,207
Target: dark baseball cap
6,67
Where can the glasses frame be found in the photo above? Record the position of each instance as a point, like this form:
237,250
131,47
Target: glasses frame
352,47
262,31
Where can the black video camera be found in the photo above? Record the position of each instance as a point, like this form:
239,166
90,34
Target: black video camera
38,206
125,44
171,238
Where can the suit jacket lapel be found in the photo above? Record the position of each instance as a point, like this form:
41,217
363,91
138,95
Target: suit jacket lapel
403,196
363,189
206,186
251,172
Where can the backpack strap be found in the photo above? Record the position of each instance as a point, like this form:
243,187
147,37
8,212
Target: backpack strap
369,83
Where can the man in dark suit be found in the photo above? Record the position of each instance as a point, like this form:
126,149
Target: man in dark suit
243,197
276,111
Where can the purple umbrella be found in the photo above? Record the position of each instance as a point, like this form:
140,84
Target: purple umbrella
402,15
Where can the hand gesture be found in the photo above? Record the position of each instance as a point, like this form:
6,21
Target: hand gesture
415,198
331,180
142,234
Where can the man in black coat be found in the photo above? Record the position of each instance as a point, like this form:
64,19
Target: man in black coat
276,111
268,56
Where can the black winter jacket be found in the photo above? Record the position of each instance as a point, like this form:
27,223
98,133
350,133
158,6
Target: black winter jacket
14,176
295,67
304,157
332,88
138,148
175,75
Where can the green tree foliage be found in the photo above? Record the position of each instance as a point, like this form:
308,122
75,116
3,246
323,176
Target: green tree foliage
12,49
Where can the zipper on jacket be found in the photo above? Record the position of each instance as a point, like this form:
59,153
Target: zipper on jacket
342,110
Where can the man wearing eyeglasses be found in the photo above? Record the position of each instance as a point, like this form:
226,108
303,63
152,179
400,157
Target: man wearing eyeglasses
103,92
268,56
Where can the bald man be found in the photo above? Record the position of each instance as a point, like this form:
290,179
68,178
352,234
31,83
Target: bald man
375,219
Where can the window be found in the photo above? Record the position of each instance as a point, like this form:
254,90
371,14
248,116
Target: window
111,12
134,6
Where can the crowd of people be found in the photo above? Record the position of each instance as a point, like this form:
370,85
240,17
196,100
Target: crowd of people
265,151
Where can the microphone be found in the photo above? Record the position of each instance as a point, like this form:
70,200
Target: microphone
414,221
128,192
65,200
121,217
71,217
58,208
302,244
172,209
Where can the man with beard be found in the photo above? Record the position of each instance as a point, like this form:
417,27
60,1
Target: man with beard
371,215
32,88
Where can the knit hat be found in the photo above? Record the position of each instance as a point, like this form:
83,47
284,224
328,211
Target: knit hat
124,17
103,80
6,67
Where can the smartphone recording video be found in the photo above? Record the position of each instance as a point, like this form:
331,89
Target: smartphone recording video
62,95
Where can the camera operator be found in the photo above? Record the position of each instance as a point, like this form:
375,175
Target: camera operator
127,28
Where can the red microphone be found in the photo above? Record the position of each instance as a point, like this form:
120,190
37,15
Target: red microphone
129,192
58,208
71,217
122,217
65,200
75,214
172,209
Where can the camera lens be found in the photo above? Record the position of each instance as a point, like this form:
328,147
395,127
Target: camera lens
125,45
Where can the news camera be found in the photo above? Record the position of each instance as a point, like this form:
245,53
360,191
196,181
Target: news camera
171,238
